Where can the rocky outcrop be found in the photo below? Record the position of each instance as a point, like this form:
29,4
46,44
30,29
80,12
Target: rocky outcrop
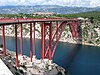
90,32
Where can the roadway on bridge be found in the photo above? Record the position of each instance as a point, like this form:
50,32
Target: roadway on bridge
28,20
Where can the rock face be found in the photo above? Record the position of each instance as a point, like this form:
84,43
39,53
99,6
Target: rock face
90,32
41,67
36,67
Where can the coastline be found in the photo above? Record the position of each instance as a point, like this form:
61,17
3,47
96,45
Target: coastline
25,67
86,44
67,40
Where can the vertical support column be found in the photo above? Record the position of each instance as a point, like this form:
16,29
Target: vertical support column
56,24
77,35
50,40
56,29
16,45
3,40
43,39
31,42
34,41
72,30
21,40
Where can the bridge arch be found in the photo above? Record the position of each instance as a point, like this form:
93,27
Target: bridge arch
58,32
48,48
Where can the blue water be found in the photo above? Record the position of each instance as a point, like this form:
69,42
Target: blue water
77,59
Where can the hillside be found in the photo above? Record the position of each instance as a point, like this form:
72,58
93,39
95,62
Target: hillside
92,14
45,8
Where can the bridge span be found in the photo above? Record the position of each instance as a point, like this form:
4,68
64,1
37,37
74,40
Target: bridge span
49,39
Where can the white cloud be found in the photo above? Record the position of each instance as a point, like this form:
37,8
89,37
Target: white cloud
95,3
52,2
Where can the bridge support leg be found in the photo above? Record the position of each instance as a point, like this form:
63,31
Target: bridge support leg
56,29
43,39
72,30
31,42
21,40
76,29
3,40
34,41
16,45
50,40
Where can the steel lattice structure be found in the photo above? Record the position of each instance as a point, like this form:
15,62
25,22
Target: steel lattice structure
49,39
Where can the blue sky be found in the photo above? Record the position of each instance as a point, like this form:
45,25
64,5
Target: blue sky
82,3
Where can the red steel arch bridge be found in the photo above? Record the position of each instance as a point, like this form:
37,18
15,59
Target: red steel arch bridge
49,39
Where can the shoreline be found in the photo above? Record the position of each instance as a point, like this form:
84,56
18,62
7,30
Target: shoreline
68,41
25,67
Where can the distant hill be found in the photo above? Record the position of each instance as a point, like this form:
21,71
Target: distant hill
45,8
90,14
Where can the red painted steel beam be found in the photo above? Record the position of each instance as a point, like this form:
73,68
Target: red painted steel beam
54,35
56,29
3,40
28,20
43,40
16,45
34,41
21,40
72,30
61,27
50,40
57,39
76,29
31,48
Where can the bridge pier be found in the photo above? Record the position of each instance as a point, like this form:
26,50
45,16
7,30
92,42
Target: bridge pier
31,47
21,40
56,29
50,40
34,41
3,40
76,29
16,45
43,40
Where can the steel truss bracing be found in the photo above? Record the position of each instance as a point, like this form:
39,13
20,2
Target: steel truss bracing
56,36
50,39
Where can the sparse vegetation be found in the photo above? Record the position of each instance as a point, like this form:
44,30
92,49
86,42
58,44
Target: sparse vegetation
90,15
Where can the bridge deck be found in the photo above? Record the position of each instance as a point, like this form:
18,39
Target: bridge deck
28,20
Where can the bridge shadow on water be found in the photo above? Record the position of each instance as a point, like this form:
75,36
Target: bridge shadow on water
68,59
72,56
77,47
